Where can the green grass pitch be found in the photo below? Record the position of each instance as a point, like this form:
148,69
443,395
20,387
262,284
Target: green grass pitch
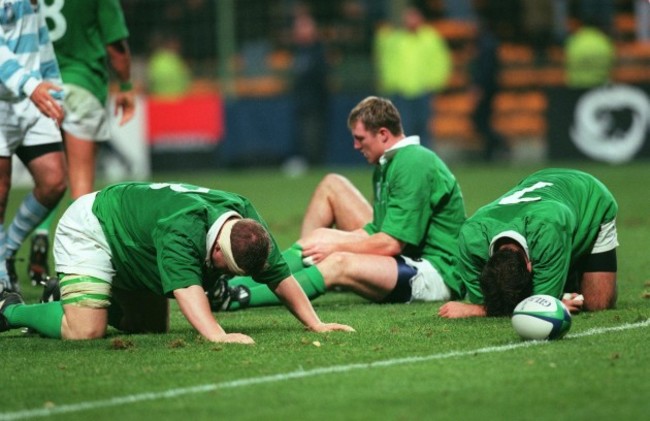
403,363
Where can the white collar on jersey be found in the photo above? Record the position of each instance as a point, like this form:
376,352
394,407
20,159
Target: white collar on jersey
407,141
214,231
512,235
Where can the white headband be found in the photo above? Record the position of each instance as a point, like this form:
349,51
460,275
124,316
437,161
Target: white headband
514,235
224,243
211,238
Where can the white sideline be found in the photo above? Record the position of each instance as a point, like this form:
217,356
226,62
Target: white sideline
173,393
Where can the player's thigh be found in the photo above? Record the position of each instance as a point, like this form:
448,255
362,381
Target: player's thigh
142,311
331,235
371,276
351,209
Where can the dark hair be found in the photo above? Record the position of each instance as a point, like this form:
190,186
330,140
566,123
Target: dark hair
375,113
505,281
251,245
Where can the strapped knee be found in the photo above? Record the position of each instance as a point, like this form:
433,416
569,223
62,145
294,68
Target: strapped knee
85,291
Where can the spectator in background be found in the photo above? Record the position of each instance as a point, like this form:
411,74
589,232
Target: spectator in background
601,11
353,29
642,20
199,35
168,74
538,22
590,56
414,62
460,10
86,34
485,69
310,93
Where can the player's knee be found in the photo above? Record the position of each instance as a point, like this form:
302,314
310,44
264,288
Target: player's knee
334,183
335,269
84,331
50,191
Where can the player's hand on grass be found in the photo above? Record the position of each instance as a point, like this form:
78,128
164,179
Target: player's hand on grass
456,310
331,327
46,103
235,338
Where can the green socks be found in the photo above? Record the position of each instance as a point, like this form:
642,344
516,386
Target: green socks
45,318
293,257
310,279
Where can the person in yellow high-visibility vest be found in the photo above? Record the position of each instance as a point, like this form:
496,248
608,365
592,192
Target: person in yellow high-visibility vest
413,63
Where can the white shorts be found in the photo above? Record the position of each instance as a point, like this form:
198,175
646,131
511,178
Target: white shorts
85,117
607,238
427,284
80,246
22,124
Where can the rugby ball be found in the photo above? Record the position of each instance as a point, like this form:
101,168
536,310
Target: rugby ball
540,317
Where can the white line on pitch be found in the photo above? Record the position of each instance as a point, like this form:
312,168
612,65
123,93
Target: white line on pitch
173,393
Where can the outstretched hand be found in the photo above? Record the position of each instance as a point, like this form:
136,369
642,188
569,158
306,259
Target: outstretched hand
331,327
235,338
457,310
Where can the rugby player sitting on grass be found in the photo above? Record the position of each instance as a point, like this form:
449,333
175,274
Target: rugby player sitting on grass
402,248
123,251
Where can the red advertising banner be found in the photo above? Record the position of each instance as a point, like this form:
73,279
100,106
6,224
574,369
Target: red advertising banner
188,121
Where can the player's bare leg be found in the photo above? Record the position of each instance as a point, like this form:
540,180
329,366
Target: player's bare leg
334,236
599,290
83,322
48,172
371,276
81,155
336,203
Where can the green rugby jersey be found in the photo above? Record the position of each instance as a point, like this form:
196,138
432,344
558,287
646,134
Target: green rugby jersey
80,31
557,211
157,233
418,201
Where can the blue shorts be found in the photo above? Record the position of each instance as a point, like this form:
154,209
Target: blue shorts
402,291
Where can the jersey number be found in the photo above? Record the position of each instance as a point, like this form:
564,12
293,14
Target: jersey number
178,188
518,196
56,23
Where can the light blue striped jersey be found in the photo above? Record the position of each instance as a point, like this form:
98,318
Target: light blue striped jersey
26,52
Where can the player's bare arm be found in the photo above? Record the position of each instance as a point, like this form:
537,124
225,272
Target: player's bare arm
196,309
119,56
289,292
458,310
379,244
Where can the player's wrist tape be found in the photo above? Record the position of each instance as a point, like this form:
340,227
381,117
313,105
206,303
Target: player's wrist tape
126,86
